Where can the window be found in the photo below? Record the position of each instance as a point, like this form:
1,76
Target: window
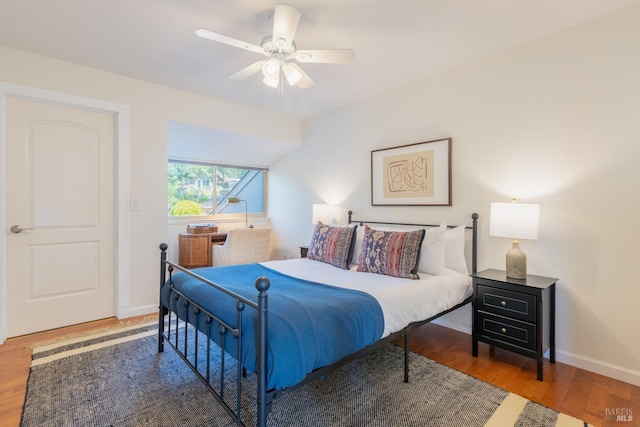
204,189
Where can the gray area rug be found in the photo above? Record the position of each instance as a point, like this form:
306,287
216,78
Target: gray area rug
119,379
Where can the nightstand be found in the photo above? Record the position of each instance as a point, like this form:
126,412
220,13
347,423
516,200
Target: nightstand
303,251
513,313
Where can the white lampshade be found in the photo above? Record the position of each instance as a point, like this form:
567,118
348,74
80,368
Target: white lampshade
324,213
271,82
292,72
271,71
514,220
271,68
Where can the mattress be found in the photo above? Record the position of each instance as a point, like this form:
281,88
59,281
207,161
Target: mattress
403,301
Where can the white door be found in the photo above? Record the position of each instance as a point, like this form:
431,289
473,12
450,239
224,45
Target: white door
60,191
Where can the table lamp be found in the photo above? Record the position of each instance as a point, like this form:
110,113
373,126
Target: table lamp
515,221
323,212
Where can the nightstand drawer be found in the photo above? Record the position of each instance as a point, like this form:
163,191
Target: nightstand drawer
506,303
510,331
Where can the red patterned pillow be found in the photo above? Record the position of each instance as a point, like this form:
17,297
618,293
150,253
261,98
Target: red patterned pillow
333,245
393,253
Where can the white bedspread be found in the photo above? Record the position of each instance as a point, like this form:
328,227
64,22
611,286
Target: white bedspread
402,300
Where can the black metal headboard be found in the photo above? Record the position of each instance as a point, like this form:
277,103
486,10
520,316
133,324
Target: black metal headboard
473,228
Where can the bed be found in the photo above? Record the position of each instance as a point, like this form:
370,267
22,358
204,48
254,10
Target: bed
292,321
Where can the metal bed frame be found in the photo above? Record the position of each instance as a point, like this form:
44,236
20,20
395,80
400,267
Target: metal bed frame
265,398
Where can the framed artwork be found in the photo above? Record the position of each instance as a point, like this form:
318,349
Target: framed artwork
412,175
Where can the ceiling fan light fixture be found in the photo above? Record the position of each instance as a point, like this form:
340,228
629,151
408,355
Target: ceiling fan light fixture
292,72
271,68
271,81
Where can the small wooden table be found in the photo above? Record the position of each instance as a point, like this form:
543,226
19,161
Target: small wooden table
195,248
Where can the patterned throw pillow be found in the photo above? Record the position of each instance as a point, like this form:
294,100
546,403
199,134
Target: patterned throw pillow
393,253
333,245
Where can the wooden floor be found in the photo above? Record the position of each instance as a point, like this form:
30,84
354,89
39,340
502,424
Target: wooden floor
576,392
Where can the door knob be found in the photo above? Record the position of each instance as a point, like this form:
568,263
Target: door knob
17,229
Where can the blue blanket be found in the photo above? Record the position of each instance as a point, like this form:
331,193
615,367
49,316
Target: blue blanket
310,325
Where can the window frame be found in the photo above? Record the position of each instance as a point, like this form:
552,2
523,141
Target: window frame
221,216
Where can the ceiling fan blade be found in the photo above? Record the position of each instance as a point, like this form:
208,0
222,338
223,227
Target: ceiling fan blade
329,56
285,24
247,71
305,82
206,34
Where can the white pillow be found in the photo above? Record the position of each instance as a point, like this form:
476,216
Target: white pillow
454,257
432,251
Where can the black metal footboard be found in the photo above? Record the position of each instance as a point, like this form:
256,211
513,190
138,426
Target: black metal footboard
192,314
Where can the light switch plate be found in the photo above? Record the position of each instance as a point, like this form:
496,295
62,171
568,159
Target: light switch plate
136,203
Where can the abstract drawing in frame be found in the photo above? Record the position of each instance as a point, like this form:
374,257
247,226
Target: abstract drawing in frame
412,175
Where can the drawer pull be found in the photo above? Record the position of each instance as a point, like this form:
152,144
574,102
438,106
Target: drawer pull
503,303
504,330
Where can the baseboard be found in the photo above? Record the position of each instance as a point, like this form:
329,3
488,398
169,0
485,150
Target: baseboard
582,362
138,311
453,324
459,320
599,367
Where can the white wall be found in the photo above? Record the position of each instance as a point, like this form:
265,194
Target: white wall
553,122
189,142
152,107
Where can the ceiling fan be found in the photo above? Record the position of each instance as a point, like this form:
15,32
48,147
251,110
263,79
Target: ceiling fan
281,52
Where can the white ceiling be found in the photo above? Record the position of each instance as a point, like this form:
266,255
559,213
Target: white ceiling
396,42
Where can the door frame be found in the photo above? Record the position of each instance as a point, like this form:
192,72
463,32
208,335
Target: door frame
121,114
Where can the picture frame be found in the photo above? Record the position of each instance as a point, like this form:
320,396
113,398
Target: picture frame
416,174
